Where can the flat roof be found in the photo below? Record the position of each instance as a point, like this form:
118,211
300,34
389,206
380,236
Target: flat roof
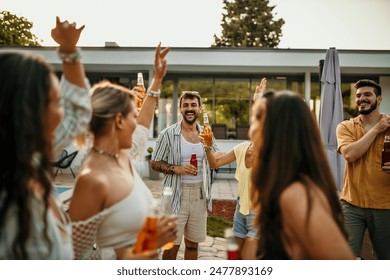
222,60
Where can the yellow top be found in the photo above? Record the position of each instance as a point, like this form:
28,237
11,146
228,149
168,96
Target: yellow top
243,176
365,185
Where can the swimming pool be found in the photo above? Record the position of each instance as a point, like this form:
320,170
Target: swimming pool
62,189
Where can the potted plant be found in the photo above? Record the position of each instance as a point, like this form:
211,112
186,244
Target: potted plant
153,175
149,156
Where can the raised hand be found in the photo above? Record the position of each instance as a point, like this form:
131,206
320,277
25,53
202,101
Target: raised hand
66,35
160,64
260,89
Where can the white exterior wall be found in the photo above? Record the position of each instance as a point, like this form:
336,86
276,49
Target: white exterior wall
384,81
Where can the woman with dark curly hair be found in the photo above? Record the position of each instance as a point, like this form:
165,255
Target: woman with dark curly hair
32,223
299,211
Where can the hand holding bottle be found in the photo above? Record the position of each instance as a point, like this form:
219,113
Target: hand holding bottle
137,92
205,139
206,134
141,90
147,255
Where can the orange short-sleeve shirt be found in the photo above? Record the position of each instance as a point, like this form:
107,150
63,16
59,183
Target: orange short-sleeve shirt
365,185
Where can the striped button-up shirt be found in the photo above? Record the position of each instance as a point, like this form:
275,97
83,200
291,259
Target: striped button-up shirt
168,149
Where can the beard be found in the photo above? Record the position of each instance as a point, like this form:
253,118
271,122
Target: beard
369,110
190,121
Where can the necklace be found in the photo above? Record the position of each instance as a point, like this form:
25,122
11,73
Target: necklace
105,153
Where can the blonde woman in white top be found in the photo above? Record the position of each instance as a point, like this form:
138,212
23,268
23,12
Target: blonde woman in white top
110,202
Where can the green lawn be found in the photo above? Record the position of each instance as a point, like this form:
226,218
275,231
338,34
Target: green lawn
216,226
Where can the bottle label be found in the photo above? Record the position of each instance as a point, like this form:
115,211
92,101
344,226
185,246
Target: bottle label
205,119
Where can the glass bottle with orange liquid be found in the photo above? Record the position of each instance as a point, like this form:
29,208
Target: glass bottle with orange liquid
147,238
140,84
166,210
207,133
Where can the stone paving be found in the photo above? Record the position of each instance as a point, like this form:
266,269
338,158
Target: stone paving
212,248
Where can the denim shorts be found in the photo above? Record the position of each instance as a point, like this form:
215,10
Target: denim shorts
243,224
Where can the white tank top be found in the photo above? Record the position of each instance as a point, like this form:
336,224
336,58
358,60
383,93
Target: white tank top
187,149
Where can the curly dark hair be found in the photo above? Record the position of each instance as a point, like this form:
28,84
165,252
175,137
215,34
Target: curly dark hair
288,149
24,98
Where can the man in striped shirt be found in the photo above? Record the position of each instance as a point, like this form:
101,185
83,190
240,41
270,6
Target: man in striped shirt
191,185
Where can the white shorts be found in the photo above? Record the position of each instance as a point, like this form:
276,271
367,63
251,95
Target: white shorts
192,215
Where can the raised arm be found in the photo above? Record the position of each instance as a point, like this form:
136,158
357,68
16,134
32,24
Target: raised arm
74,86
67,36
145,116
146,113
355,150
216,160
260,89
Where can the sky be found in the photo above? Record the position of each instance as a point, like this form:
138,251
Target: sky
309,24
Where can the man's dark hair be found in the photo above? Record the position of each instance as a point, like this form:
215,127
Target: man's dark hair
369,83
190,95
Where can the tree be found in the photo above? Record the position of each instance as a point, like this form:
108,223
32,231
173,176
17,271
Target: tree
249,23
16,31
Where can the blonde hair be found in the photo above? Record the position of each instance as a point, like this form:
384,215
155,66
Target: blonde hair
107,100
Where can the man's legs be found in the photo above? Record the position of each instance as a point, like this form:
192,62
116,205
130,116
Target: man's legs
355,223
191,250
171,254
379,231
195,229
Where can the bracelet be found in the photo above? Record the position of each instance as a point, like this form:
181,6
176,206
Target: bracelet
70,57
153,93
207,149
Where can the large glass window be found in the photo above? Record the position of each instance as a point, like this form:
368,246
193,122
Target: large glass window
232,101
347,91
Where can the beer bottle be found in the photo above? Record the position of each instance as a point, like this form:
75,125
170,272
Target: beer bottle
386,150
232,246
140,83
147,238
207,133
194,161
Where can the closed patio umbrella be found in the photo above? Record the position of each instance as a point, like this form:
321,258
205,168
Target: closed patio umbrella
331,113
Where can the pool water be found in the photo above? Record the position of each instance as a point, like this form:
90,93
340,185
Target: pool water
62,189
